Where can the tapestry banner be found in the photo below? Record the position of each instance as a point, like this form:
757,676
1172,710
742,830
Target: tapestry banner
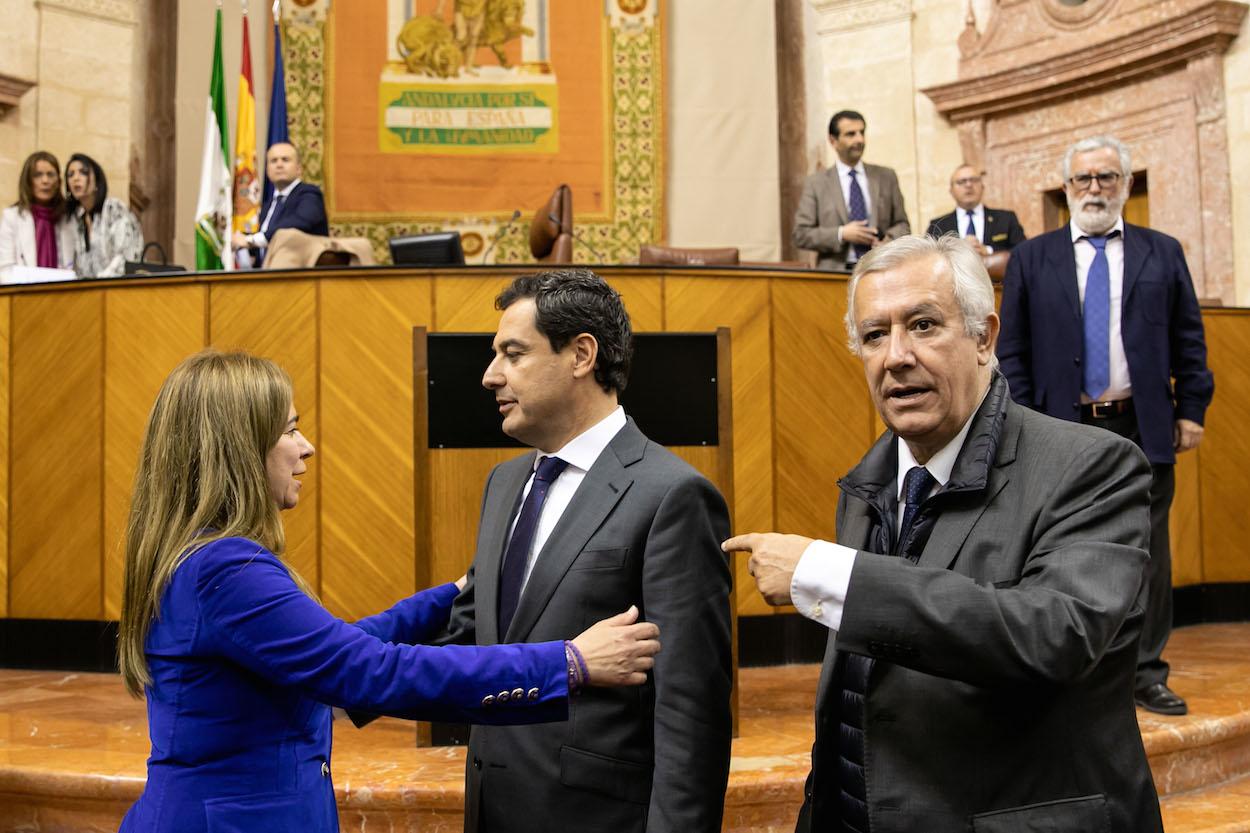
423,115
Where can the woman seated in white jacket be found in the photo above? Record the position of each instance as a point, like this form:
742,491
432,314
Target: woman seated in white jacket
106,231
34,231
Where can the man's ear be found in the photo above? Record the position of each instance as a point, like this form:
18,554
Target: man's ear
989,341
585,354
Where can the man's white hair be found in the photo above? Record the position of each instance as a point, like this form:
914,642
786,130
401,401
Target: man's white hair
974,292
1098,143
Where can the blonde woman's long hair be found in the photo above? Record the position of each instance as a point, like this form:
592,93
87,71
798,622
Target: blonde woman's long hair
201,477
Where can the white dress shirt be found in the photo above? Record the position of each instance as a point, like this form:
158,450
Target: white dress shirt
978,221
844,179
820,581
1119,386
580,453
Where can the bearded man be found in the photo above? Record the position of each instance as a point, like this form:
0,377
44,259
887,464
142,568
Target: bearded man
1100,324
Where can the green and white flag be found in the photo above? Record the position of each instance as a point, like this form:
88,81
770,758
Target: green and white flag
213,209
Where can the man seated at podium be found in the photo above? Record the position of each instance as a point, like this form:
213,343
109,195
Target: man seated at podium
295,204
596,518
989,230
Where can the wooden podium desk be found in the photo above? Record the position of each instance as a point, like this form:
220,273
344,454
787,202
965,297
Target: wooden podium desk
80,364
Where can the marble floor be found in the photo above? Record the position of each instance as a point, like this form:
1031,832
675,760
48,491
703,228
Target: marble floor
72,750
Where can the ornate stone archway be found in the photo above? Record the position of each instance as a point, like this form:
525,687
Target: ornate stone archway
1045,73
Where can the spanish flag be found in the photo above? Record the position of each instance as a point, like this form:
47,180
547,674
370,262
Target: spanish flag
246,182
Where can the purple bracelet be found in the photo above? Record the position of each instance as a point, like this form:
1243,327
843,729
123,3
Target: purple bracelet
573,668
581,664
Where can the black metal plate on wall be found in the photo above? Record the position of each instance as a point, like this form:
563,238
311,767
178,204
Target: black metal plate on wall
671,392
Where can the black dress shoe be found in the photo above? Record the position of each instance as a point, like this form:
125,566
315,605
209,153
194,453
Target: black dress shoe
1160,699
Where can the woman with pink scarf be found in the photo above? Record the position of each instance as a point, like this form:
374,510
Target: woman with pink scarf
34,231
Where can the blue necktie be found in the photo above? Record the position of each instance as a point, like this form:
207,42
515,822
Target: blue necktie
859,211
514,561
1097,320
916,486
972,227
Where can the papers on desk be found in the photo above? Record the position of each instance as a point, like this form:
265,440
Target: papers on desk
34,274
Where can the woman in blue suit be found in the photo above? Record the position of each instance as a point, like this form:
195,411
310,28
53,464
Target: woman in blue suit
239,662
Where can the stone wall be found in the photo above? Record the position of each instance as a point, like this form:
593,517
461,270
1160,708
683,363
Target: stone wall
80,54
877,56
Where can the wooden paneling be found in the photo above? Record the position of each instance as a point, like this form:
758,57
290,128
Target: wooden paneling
700,304
278,319
644,301
458,477
79,365
1224,480
5,384
147,332
56,495
467,305
366,441
1185,521
824,420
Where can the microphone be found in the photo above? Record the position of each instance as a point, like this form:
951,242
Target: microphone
577,235
499,234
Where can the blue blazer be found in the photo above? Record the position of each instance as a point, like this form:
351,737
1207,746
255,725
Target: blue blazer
303,209
1041,344
245,668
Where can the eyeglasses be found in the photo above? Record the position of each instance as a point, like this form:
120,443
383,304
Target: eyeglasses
967,181
1106,180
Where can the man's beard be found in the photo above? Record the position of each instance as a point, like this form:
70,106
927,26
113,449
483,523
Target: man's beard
1101,215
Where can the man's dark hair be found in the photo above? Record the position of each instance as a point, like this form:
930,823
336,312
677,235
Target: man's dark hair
839,116
569,302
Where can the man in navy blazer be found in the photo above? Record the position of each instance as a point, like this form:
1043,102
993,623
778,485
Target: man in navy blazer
295,204
991,229
1100,324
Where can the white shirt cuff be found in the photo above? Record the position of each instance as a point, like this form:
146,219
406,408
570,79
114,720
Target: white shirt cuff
818,587
259,240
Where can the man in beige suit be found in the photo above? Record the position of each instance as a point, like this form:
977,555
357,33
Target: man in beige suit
851,207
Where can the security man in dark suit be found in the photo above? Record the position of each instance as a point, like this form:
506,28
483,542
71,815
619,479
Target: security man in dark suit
990,229
1101,325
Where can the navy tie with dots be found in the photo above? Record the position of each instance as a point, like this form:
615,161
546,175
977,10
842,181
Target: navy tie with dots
916,486
514,560
859,210
1096,317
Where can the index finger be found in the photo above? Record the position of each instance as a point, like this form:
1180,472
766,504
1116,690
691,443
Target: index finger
742,543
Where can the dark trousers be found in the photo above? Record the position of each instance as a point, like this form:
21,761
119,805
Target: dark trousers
1156,590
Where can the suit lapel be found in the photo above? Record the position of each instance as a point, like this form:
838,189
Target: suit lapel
1136,252
29,250
834,182
874,191
954,524
1062,259
501,507
597,496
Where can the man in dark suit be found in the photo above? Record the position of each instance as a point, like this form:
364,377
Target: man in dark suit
295,204
846,210
982,596
1101,325
618,521
990,229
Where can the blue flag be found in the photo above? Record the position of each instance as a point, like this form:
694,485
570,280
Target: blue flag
278,131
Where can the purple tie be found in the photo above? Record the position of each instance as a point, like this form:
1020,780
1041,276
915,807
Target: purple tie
514,560
858,209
